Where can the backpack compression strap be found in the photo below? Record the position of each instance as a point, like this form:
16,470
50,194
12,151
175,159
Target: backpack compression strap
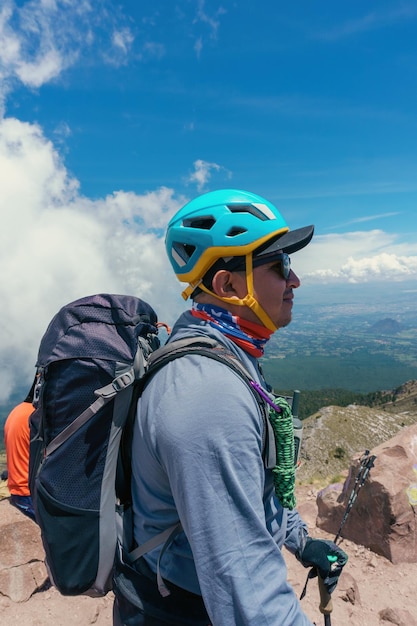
105,394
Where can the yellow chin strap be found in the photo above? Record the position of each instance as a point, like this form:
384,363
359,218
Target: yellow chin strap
249,300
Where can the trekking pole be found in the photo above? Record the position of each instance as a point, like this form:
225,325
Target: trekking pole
366,463
326,604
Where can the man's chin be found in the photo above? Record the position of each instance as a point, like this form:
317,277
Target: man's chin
285,322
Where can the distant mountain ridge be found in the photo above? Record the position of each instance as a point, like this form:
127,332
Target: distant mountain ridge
387,326
403,398
334,434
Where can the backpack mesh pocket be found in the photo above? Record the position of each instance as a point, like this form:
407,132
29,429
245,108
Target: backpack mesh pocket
70,538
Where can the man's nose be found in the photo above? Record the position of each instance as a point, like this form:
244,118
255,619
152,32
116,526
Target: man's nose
293,280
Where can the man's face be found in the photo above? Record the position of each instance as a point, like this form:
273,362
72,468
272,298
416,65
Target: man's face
273,293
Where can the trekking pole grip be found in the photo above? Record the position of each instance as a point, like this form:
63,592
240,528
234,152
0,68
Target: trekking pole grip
326,604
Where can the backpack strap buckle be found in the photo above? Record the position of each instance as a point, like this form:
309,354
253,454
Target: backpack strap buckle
124,380
120,382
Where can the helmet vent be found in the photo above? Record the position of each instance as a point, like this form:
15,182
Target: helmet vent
202,223
182,252
236,230
249,208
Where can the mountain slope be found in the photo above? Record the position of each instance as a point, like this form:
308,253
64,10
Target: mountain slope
334,434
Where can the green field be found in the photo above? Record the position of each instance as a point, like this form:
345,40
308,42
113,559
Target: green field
359,372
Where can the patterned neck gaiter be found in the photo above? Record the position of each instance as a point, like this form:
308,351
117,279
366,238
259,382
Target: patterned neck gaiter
249,336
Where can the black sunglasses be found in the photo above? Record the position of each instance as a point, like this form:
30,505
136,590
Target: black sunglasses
285,261
239,265
281,257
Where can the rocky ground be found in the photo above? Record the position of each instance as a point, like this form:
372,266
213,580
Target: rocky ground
371,592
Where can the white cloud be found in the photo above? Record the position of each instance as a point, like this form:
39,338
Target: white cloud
39,39
210,20
381,267
203,172
198,46
47,66
370,218
210,23
386,267
356,257
123,39
56,246
10,48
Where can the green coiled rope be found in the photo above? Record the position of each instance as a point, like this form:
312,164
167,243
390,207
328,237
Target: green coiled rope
284,470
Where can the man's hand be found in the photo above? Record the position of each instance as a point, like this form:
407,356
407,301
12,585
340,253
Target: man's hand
326,558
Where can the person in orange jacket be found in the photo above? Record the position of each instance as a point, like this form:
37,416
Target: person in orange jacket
16,439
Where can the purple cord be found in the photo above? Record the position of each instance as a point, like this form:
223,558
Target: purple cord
265,396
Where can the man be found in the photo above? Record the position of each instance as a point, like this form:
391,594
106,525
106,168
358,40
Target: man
199,437
16,439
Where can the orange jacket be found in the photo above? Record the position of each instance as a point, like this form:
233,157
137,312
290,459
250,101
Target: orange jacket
16,438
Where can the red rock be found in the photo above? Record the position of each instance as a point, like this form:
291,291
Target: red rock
22,568
384,515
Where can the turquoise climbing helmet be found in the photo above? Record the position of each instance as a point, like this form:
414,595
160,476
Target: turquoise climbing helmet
223,224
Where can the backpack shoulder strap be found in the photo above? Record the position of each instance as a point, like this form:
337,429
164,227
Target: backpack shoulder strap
206,346
203,346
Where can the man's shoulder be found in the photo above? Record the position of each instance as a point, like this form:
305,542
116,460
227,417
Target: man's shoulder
20,411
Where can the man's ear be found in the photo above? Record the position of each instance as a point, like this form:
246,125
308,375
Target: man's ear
227,284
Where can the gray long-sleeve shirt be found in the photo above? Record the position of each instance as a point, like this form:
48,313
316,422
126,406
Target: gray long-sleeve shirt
197,458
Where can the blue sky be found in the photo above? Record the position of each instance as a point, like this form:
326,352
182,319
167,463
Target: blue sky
112,115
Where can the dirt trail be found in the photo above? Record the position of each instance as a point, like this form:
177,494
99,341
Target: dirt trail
371,592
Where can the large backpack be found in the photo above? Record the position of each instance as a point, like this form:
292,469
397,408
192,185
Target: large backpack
93,362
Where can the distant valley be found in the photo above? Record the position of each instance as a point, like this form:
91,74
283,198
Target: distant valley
360,347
